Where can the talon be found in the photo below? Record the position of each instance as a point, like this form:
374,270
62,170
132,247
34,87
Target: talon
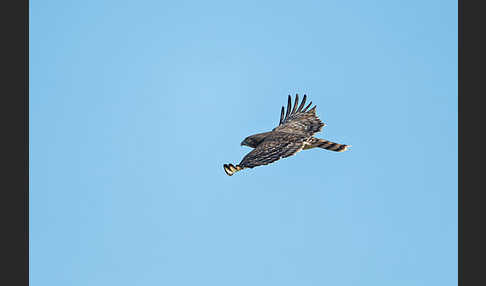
227,170
230,169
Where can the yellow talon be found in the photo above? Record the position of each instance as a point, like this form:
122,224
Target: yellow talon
230,169
227,170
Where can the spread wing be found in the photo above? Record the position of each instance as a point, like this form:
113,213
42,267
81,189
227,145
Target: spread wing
299,120
275,146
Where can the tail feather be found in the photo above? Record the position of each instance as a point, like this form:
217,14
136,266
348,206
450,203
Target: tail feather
325,144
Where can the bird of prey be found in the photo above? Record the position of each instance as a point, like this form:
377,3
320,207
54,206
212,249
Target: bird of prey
293,134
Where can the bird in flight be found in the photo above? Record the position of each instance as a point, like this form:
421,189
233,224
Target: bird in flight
293,134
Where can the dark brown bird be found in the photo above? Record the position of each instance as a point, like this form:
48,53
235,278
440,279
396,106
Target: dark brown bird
294,133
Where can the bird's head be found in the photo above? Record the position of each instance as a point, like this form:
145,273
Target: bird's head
254,140
250,142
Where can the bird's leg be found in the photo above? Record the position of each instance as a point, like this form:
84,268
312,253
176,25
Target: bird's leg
230,169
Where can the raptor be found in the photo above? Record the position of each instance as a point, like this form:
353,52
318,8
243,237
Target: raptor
295,132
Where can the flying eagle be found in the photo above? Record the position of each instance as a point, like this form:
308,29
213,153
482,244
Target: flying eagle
294,133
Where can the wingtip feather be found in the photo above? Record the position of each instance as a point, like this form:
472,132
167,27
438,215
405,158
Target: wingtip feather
302,103
295,103
305,109
289,107
282,115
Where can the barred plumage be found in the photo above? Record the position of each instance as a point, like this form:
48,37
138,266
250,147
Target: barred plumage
325,144
294,133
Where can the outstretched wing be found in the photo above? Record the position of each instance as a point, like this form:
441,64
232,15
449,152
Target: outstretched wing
275,146
299,120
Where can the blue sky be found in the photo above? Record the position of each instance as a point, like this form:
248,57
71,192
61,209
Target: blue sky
136,105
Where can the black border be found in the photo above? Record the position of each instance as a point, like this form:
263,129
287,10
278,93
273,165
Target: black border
15,139
14,118
460,33
470,132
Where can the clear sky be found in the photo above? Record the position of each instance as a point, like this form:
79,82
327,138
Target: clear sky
136,105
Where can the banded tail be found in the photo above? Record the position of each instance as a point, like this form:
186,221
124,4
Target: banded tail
230,169
324,144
